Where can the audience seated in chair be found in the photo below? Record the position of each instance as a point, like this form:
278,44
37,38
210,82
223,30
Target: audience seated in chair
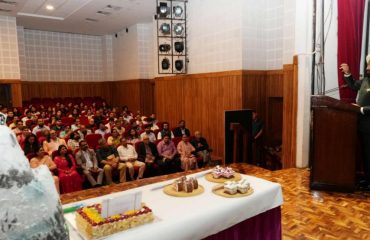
40,126
148,153
186,151
52,142
128,155
133,137
148,133
58,126
181,130
69,178
86,159
115,139
165,131
18,129
31,144
42,158
108,158
73,141
167,152
102,130
201,148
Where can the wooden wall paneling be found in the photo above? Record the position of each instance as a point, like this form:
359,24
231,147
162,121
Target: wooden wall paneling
274,107
254,91
169,99
147,96
127,92
290,113
200,99
16,91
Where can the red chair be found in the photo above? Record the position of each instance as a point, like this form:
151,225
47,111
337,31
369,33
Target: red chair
84,120
30,156
107,135
92,140
68,120
176,140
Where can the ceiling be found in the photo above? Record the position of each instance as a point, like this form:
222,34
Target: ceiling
94,17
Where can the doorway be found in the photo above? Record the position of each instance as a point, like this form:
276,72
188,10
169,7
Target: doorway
5,95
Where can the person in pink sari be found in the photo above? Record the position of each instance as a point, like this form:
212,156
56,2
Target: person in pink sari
188,160
69,179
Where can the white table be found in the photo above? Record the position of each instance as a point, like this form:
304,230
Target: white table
193,217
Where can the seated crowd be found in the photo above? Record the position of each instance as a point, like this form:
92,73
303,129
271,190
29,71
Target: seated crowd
88,144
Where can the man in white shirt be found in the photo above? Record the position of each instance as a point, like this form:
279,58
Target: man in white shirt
86,159
148,133
102,130
128,155
40,127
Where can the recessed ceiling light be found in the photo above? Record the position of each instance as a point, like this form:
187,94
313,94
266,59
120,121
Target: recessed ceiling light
49,7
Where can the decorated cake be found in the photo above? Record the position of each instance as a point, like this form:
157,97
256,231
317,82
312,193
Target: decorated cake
91,223
226,172
185,184
232,187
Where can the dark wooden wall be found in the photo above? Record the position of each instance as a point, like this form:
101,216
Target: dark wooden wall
16,91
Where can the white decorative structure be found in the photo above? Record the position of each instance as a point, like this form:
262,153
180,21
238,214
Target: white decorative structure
29,203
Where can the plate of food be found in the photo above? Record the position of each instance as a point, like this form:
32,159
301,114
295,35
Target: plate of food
223,174
233,189
184,187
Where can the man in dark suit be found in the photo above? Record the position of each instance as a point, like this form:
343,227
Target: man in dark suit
181,130
363,101
148,153
86,159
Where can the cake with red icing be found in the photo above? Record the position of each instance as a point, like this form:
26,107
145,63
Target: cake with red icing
90,222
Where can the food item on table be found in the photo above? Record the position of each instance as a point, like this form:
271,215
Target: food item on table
232,187
185,185
243,186
90,222
188,186
219,172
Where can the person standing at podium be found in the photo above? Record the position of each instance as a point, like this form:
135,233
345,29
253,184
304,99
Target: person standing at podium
363,101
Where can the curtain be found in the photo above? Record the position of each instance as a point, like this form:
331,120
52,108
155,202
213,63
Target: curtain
350,22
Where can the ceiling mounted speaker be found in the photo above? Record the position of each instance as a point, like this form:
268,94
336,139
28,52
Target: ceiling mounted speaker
177,11
179,65
163,10
178,28
179,47
165,64
165,28
164,47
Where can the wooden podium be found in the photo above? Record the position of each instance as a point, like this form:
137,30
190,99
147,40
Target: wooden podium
334,147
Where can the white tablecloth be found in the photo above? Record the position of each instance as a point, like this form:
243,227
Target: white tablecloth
193,217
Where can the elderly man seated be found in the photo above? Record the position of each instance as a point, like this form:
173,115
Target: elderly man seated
201,148
86,159
128,155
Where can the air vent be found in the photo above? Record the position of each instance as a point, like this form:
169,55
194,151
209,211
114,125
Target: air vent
8,2
91,20
112,8
104,13
5,10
